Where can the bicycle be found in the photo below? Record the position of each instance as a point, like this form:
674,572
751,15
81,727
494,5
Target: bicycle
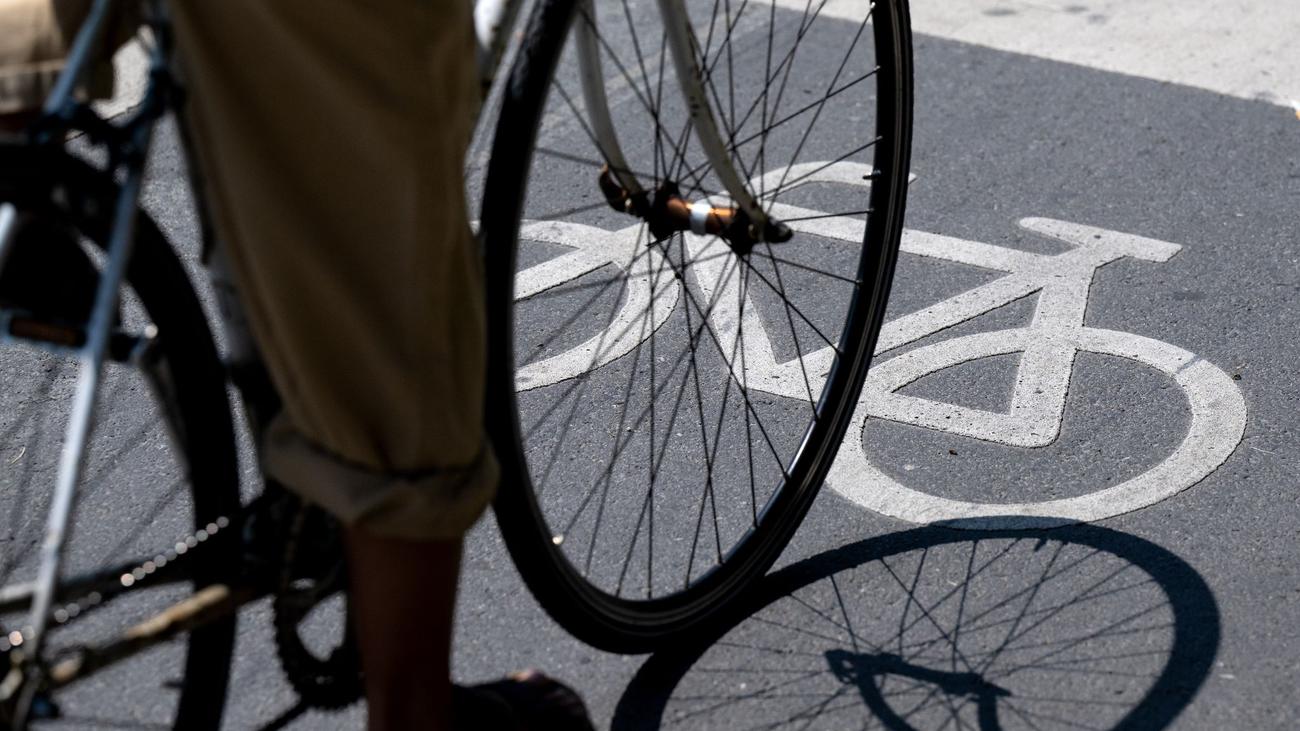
689,195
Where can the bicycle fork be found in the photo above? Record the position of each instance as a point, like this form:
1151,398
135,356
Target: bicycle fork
741,225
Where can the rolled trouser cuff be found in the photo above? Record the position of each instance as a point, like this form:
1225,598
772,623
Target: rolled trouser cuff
422,505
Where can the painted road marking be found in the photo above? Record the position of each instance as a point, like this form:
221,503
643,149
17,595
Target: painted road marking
1048,347
644,285
1241,48
1218,422
1048,350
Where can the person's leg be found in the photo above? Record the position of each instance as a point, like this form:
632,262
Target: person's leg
332,134
403,598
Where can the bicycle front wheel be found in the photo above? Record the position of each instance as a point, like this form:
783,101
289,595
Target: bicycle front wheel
666,404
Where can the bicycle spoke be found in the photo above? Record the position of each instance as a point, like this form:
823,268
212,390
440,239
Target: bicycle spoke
631,84
792,183
814,270
694,373
749,437
559,289
593,162
767,73
636,47
731,371
624,429
613,460
776,289
785,79
771,76
785,301
827,215
651,463
822,105
596,355
812,106
644,100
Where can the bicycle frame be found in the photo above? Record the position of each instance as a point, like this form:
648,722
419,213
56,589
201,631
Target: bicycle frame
128,142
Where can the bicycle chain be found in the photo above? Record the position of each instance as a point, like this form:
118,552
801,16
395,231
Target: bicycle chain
71,610
14,676
330,683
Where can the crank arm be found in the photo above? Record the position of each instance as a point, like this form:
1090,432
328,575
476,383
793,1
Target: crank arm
208,605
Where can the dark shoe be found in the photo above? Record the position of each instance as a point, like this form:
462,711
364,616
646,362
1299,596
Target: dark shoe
524,701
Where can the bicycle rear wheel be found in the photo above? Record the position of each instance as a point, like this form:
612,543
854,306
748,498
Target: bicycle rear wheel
665,405
159,501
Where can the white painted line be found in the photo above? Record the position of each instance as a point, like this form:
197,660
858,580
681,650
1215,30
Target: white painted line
1242,48
648,294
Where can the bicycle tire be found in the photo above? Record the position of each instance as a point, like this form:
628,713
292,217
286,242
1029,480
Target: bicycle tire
53,185
564,584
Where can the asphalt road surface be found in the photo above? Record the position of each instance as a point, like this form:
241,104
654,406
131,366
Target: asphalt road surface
1114,186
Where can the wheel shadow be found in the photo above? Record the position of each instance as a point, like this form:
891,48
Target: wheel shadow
935,628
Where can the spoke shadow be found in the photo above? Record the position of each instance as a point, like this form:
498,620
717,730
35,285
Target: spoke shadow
866,670
935,628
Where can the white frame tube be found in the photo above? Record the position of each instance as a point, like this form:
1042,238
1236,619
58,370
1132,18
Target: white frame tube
593,95
689,78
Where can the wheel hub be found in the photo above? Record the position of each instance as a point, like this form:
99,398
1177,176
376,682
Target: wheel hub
668,212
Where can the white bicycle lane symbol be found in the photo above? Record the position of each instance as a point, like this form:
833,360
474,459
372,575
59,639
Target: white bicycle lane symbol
1047,347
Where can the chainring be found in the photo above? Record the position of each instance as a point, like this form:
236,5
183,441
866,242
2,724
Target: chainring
312,570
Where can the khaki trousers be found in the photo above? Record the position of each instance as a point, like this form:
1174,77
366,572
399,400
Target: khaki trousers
331,136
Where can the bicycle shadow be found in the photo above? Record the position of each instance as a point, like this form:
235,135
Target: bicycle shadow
1077,627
